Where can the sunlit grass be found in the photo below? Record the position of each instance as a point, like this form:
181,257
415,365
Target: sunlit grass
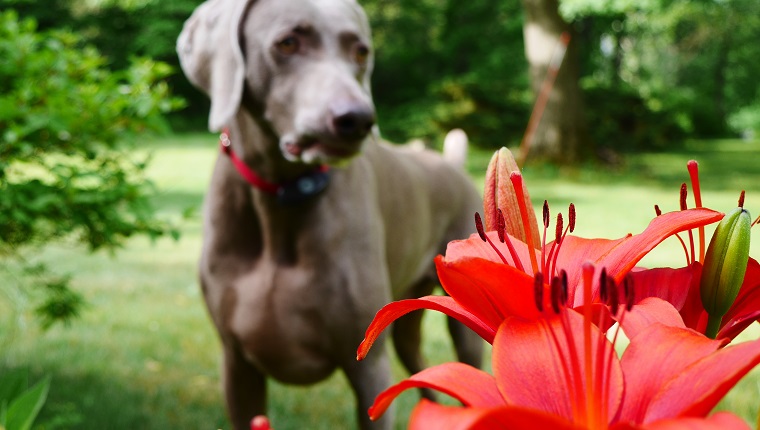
144,354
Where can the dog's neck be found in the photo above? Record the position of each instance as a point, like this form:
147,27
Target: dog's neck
279,227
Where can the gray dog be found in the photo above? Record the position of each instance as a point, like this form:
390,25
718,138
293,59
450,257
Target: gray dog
298,256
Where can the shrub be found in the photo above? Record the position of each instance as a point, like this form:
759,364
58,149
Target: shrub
66,170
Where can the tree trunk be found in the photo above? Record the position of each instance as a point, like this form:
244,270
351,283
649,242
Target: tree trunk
562,135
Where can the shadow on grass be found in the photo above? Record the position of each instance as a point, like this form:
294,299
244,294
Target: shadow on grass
724,165
93,401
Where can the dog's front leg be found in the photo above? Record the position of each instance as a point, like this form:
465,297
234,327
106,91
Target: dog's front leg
244,388
368,378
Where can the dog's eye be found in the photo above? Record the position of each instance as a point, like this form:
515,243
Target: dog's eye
288,46
361,55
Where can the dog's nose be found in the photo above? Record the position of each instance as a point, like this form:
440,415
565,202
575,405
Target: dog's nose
353,123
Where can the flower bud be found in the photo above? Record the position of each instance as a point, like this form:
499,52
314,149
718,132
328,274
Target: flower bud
725,266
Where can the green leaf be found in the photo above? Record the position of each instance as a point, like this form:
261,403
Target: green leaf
12,384
24,409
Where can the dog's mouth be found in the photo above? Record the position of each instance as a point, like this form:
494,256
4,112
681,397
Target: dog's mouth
311,149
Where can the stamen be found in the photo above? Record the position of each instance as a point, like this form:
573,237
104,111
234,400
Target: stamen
563,278
558,229
543,239
603,296
741,200
556,292
485,238
685,250
693,168
684,193
517,182
613,301
757,220
512,252
657,210
602,370
538,291
588,276
571,216
479,227
630,294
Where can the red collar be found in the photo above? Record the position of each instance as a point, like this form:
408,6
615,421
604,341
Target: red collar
296,191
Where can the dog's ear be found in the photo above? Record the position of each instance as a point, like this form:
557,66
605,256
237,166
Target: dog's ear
209,53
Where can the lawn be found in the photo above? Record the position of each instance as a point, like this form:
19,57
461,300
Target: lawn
144,354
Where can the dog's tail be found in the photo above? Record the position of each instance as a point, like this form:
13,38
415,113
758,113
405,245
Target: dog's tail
455,147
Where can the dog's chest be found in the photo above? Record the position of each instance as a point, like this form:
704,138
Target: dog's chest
285,318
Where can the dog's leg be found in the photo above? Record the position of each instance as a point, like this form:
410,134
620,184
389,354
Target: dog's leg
368,378
244,388
407,340
468,345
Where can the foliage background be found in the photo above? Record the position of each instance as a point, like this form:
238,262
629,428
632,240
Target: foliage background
653,72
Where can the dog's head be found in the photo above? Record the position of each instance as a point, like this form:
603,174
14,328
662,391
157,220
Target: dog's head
304,65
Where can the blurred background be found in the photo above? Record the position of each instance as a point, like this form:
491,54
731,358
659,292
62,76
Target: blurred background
104,160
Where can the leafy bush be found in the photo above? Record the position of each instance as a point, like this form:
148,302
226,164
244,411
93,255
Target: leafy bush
746,121
66,169
622,120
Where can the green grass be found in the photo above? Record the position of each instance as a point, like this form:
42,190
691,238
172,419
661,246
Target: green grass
144,354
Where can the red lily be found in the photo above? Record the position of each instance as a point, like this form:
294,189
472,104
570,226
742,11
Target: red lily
681,287
682,292
561,371
487,278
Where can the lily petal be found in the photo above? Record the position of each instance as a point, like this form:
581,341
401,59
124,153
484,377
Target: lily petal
671,285
699,387
394,310
429,415
655,356
647,312
621,255
471,386
718,421
492,291
475,247
746,308
530,360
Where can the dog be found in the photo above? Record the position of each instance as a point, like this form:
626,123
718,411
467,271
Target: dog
311,222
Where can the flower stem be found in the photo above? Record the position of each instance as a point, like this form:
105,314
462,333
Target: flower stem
713,325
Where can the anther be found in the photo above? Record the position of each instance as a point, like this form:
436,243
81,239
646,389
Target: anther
556,291
684,194
603,286
558,229
571,218
630,295
657,210
546,214
563,279
538,291
741,200
479,227
613,301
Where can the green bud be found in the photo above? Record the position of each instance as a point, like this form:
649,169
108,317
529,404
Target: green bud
725,266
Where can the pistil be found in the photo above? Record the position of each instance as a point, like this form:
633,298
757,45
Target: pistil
517,182
693,168
684,193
